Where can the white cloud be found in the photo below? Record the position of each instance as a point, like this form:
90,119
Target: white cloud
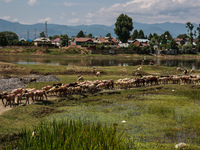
48,19
5,17
152,11
32,2
90,15
15,20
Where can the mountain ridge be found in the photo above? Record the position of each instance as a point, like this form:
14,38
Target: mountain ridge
96,29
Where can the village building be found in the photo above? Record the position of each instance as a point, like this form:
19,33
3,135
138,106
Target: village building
107,41
41,41
141,42
79,41
57,42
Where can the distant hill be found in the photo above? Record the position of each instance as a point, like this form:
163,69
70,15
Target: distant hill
97,30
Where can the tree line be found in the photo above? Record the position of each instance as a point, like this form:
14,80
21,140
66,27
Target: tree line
123,29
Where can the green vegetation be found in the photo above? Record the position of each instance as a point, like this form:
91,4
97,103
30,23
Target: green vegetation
123,27
154,117
71,135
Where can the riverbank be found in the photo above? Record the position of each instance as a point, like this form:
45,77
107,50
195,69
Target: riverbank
60,53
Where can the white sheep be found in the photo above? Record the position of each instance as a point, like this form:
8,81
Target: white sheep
98,74
80,79
139,68
181,145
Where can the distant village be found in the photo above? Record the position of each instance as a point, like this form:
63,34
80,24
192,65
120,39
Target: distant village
112,45
138,43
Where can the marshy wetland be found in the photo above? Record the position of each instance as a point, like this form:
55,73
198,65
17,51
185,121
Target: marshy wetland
142,117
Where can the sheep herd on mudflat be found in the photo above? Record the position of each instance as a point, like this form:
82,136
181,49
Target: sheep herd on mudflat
16,96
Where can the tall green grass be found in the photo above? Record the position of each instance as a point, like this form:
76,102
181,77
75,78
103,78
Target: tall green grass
71,135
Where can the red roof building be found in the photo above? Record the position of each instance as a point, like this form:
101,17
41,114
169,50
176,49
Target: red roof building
79,41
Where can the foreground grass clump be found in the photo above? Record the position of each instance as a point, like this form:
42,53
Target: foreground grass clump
71,135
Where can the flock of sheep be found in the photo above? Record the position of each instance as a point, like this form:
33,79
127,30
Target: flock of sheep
17,95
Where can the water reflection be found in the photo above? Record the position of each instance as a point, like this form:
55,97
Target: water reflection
107,61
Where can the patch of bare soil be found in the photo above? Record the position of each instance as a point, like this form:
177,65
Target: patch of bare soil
4,109
44,111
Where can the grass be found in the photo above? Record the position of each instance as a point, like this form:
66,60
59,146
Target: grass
71,135
156,117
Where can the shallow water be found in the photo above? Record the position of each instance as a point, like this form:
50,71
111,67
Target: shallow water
102,61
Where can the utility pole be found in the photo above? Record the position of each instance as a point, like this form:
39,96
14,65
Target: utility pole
46,34
27,35
35,33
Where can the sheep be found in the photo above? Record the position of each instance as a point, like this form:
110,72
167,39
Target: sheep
53,90
181,145
39,94
98,73
29,94
185,72
179,69
10,98
46,88
80,79
17,91
32,80
191,71
19,98
139,68
138,74
151,63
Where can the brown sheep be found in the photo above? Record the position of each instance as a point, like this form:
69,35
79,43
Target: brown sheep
32,80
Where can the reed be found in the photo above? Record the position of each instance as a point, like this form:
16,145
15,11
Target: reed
71,135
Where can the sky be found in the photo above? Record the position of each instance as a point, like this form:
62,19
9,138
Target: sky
105,12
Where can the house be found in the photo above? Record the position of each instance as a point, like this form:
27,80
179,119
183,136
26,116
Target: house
107,41
57,42
181,41
79,41
42,41
141,42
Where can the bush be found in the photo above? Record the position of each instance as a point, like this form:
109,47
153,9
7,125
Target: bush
187,49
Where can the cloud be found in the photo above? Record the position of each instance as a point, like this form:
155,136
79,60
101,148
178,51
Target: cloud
152,11
48,19
5,17
15,20
32,2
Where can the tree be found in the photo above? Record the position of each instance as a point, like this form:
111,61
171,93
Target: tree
54,37
184,36
80,34
42,34
3,39
90,35
108,35
64,40
123,26
11,36
172,44
165,37
150,36
134,35
190,27
141,34
198,38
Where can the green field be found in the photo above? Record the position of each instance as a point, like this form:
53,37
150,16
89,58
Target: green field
152,117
